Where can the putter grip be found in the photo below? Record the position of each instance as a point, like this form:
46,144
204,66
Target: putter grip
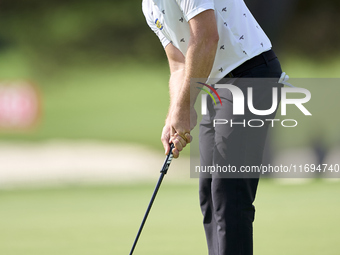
168,160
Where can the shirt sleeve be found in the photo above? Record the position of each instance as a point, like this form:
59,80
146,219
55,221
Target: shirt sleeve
151,23
191,8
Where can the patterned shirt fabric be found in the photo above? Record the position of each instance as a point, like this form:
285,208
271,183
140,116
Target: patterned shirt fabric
241,37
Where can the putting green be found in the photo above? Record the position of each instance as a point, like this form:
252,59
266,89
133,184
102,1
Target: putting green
291,219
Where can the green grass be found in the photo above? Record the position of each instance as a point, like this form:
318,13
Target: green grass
123,102
294,219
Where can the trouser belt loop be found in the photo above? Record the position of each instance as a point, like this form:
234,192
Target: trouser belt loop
265,58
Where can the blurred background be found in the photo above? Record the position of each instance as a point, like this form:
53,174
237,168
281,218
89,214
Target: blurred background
83,97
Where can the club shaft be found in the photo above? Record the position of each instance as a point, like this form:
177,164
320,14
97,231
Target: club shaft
147,212
164,170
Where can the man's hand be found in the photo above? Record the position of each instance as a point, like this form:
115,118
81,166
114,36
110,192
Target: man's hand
182,121
177,140
171,133
165,138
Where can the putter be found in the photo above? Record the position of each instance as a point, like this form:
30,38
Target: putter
164,170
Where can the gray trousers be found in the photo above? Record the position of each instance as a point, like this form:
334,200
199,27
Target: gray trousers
227,201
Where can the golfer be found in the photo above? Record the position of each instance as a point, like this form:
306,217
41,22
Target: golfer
215,39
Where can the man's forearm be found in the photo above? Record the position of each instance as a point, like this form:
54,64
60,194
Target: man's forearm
199,61
175,83
198,64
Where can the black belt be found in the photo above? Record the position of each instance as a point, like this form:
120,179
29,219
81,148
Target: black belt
263,58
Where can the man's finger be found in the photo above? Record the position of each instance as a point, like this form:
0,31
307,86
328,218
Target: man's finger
166,147
181,140
185,136
175,153
188,137
165,141
177,143
172,132
182,133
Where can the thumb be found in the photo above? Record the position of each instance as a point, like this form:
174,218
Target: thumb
172,132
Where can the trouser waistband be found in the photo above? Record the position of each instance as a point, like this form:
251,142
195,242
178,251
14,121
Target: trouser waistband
263,58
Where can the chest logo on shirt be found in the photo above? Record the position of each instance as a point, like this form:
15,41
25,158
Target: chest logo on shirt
158,24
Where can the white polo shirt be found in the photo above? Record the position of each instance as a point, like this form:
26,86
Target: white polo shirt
241,37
